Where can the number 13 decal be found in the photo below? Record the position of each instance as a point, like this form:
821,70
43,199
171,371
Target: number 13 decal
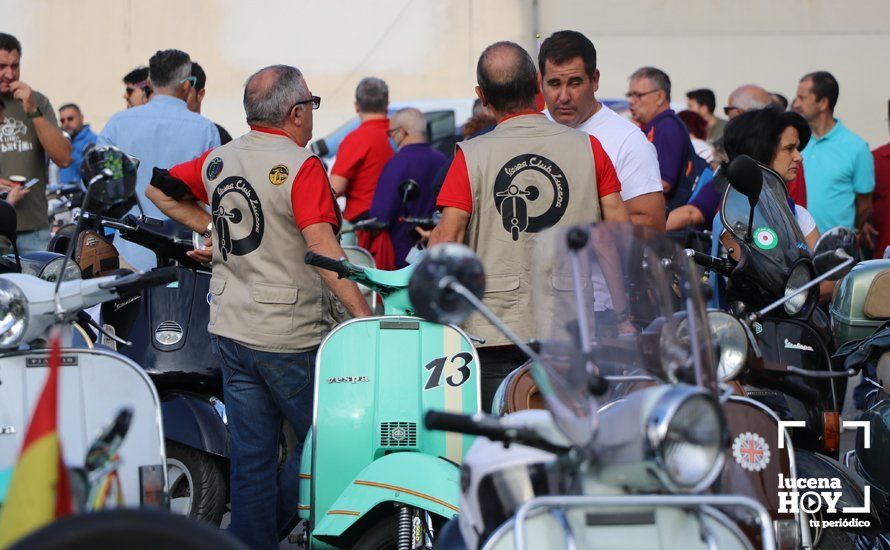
460,361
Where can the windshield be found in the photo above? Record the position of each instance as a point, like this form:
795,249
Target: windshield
775,235
634,314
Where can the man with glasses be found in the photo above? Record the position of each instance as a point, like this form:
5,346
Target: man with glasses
269,310
136,89
82,138
161,134
649,99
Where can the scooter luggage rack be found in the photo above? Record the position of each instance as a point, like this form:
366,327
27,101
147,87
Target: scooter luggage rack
684,501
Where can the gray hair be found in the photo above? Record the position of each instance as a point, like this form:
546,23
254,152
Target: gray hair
411,120
271,92
657,77
372,95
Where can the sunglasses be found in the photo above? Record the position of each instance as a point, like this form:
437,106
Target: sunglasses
193,80
729,110
314,100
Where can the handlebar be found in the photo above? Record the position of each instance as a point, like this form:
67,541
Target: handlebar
130,284
323,262
489,426
366,225
424,223
722,266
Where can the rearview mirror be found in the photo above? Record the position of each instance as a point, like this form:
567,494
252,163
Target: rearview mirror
409,191
835,238
8,221
432,285
320,148
745,176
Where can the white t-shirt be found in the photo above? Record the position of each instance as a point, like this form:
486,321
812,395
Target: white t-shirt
636,164
804,220
634,158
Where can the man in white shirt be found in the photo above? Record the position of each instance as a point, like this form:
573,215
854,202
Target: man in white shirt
569,80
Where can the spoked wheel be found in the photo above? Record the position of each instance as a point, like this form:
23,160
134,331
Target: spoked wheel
196,484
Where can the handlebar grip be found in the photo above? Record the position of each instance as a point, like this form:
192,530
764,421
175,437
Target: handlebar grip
324,262
708,261
484,425
129,284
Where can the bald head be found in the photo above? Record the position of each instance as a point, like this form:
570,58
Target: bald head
748,98
411,120
271,93
507,77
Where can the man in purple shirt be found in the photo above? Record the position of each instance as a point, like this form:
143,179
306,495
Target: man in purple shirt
415,160
649,99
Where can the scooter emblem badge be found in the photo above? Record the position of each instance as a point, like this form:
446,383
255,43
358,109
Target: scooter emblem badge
751,451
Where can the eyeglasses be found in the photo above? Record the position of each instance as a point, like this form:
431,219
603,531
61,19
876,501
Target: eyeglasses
193,80
728,110
638,95
314,100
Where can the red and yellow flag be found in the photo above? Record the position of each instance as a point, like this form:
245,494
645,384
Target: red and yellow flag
39,490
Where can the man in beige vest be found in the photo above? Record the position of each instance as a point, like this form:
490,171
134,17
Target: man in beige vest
504,187
270,202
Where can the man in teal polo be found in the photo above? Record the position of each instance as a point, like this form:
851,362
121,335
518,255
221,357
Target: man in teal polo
840,170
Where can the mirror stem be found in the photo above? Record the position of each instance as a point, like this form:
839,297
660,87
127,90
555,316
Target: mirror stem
748,237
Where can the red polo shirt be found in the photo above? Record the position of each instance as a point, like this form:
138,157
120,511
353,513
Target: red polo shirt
881,198
312,199
360,159
456,187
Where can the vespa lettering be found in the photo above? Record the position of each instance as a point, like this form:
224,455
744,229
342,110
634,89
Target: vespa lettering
347,379
802,347
461,362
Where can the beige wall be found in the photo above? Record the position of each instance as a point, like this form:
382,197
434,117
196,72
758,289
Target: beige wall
79,50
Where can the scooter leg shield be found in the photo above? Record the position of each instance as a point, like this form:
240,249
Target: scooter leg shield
414,479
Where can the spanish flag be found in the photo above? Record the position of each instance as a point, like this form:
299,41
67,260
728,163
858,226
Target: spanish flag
39,490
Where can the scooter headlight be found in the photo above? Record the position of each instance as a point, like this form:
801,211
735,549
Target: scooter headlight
800,276
51,270
688,432
731,343
13,314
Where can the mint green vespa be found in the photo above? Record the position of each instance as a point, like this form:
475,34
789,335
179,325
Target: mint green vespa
371,475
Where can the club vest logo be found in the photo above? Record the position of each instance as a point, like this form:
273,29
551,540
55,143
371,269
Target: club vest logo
278,174
237,217
214,168
531,193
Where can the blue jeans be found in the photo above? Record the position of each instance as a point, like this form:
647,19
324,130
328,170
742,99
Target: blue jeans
33,241
261,389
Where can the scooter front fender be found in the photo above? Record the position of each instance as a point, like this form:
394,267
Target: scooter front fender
191,419
414,479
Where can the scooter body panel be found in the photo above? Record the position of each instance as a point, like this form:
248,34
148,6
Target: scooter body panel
416,479
375,379
93,385
192,420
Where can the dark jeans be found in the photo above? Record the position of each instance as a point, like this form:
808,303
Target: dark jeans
261,389
496,363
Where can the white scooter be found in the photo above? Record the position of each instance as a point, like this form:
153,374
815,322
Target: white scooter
94,383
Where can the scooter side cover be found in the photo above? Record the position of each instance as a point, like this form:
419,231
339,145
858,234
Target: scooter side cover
375,379
93,386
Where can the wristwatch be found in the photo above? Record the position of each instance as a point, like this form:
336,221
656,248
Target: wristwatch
35,113
208,232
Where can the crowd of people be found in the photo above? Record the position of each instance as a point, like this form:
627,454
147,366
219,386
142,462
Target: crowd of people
540,150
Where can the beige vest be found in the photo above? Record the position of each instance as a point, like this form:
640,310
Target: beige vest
526,175
262,293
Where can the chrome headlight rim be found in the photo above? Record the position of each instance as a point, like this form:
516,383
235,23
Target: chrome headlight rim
800,275
731,340
72,270
658,425
13,331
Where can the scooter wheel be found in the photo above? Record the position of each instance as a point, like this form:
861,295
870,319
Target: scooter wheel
196,483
